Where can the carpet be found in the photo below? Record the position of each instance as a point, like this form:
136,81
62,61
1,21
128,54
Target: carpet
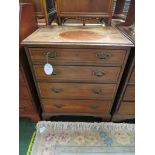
79,138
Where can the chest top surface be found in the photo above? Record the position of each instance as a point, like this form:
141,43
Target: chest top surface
71,35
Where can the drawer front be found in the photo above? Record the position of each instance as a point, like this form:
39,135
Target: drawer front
76,106
129,93
78,56
23,92
77,91
25,106
132,78
127,108
77,73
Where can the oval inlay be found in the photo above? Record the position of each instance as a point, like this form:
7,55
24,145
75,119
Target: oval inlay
81,35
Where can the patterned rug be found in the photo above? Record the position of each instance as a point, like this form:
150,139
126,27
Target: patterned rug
67,138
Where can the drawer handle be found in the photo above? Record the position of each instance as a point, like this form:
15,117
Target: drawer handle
55,72
103,55
59,106
99,74
97,91
51,55
56,90
94,106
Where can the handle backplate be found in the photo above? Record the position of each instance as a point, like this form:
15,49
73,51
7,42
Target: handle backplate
103,56
97,91
57,90
59,105
98,73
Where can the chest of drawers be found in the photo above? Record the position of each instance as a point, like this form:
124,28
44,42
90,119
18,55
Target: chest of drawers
28,99
87,69
125,100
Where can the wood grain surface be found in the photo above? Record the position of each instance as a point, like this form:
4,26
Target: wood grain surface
78,56
53,35
76,106
78,73
77,91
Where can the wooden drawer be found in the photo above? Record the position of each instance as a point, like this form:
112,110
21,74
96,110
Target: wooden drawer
127,108
129,93
132,77
79,73
23,92
78,56
76,106
25,105
77,91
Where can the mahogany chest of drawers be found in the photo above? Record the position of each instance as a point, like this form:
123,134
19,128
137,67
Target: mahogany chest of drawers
125,109
28,99
125,100
88,63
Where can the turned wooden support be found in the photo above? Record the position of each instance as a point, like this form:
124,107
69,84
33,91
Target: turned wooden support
130,19
119,8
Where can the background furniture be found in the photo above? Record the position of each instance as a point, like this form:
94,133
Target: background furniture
84,9
28,99
124,18
87,70
125,99
124,107
44,10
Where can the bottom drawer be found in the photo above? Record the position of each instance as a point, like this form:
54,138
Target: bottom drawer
127,108
76,106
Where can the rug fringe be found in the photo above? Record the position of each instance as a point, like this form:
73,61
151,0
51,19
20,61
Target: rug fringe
84,126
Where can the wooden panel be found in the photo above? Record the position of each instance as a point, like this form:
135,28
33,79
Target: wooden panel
27,23
129,93
127,108
78,56
85,35
77,91
28,99
21,76
38,6
78,73
25,106
132,78
76,106
121,118
84,6
23,92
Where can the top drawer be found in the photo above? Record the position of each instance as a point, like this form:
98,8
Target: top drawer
78,56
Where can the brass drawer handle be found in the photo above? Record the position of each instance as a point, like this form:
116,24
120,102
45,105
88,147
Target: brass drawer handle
103,55
97,91
93,106
59,106
99,74
55,72
51,55
57,90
